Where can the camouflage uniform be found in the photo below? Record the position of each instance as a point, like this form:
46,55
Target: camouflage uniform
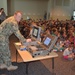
8,27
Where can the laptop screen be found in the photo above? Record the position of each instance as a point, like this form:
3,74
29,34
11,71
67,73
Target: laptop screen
35,32
47,41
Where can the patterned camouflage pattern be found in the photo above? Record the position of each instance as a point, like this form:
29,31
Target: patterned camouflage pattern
8,27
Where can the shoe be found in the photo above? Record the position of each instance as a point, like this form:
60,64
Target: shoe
3,66
11,67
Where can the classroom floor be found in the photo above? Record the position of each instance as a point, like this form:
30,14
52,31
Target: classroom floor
43,67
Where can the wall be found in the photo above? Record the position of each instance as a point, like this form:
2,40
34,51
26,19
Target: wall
3,4
61,9
50,9
34,9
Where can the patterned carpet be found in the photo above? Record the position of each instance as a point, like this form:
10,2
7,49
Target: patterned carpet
43,67
35,68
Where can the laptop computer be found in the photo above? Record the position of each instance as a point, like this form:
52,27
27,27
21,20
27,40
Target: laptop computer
44,47
35,33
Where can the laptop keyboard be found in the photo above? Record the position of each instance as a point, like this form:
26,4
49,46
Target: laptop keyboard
39,47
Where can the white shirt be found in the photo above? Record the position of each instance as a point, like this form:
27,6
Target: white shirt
66,52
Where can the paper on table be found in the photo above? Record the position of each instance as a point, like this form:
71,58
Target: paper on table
18,43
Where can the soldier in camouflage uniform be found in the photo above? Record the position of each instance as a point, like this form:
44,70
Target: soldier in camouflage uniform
8,27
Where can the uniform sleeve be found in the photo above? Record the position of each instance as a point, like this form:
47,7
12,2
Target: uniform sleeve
18,34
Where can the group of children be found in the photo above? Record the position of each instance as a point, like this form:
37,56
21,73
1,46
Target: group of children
66,40
67,46
65,30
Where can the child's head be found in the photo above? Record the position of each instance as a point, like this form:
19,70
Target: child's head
58,40
55,31
70,46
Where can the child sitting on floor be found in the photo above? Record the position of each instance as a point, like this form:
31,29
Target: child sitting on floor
66,42
59,46
68,54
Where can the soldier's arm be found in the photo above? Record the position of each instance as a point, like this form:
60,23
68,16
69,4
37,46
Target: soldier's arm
18,34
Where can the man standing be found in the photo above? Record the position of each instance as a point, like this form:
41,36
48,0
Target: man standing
8,27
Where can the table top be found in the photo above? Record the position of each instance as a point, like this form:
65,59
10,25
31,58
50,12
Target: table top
27,57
